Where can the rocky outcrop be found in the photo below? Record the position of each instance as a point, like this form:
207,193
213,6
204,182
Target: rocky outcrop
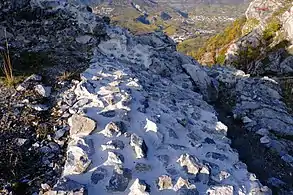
267,29
262,9
287,20
171,142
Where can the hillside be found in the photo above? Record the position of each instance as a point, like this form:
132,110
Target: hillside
199,20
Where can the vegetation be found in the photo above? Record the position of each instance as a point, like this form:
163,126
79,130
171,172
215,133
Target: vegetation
67,75
250,24
170,30
246,56
216,43
272,27
7,65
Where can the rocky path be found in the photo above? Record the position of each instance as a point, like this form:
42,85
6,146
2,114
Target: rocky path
136,132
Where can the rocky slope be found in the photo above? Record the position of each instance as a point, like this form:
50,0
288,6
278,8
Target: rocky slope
270,35
145,119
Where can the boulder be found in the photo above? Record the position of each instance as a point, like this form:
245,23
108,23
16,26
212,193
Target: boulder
139,146
81,125
139,187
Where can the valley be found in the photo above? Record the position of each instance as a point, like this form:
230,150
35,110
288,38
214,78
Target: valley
185,22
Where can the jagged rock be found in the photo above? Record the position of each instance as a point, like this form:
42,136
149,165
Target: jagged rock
150,126
45,186
200,78
287,19
43,91
60,133
190,163
54,147
182,183
66,186
265,140
98,174
114,158
113,145
288,158
24,85
164,182
40,107
246,120
77,157
81,125
83,39
119,180
138,146
115,128
253,11
221,176
215,190
262,132
139,187
21,141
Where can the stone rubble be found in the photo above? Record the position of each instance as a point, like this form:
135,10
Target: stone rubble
176,145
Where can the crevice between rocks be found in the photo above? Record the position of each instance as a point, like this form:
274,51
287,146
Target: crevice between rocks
265,163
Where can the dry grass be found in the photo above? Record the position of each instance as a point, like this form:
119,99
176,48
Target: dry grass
7,65
66,75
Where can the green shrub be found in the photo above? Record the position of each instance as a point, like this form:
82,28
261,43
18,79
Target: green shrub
250,24
220,59
222,40
272,27
246,56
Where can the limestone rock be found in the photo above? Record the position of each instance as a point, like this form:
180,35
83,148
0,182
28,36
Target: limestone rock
113,145
182,183
265,140
83,39
216,190
81,125
115,128
77,160
66,186
138,145
43,91
200,77
114,158
190,163
139,187
164,183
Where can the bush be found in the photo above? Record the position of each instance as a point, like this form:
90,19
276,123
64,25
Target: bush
250,24
272,27
222,40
